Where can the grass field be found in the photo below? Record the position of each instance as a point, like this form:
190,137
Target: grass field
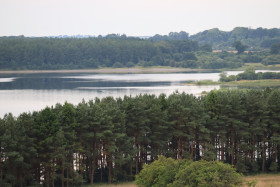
129,184
264,180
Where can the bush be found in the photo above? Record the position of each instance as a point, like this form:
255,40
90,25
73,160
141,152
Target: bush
205,173
117,65
160,173
171,173
129,64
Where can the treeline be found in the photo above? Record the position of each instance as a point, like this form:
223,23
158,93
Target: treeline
116,51
110,51
256,39
111,139
249,74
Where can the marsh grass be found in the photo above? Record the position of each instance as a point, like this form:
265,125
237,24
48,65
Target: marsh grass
254,83
241,84
207,82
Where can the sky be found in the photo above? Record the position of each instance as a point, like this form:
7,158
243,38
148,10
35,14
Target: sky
133,17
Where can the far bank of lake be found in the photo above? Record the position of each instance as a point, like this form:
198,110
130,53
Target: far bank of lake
110,70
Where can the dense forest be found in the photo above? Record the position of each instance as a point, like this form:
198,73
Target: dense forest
110,139
175,50
256,39
61,53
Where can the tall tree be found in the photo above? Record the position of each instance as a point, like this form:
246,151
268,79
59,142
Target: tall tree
239,47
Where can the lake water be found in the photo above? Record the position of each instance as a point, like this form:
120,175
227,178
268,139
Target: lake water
29,92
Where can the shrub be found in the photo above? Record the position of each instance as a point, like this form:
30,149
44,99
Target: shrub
207,173
160,173
171,173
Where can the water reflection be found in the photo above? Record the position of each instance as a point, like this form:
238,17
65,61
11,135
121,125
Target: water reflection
74,81
28,92
18,101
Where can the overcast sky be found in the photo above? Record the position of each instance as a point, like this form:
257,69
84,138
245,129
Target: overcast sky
133,17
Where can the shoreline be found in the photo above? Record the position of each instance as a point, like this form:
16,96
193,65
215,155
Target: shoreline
263,83
108,70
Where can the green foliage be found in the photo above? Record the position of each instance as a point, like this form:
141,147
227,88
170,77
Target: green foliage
239,47
159,173
171,36
175,50
112,139
225,78
218,60
74,53
207,173
271,60
168,172
249,74
206,48
256,39
275,48
252,183
273,166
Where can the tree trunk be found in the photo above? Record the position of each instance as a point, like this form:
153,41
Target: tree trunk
137,154
62,173
101,167
252,143
21,179
84,171
192,150
275,153
222,152
136,161
0,164
232,146
142,157
130,169
48,176
236,150
227,155
92,173
109,162
38,174
179,148
263,154
93,161
67,176
52,171
80,167
197,157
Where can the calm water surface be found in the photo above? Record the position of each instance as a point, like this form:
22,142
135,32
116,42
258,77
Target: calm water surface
26,93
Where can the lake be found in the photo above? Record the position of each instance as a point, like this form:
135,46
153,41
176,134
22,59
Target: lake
28,92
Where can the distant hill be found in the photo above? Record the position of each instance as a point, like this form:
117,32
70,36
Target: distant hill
256,39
